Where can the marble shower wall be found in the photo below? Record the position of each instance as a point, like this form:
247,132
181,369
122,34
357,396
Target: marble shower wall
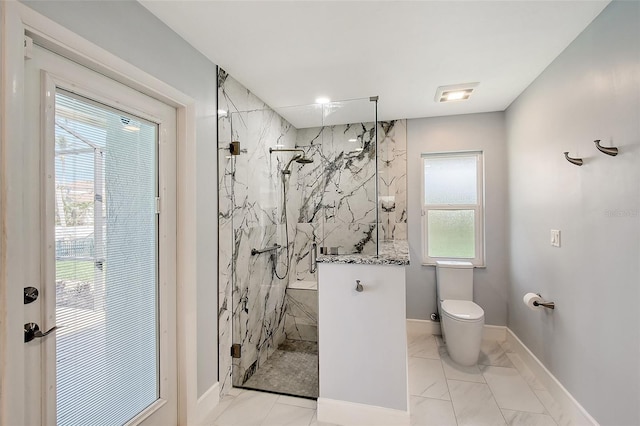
392,179
301,321
338,194
251,298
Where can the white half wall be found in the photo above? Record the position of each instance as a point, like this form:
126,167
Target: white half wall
461,133
591,341
353,414
362,338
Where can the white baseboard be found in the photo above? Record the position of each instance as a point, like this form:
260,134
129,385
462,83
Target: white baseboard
207,404
568,404
494,332
354,414
423,326
489,332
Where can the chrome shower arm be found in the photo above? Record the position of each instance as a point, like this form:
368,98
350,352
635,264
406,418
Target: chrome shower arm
272,150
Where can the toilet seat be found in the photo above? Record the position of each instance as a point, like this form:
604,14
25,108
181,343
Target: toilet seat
462,310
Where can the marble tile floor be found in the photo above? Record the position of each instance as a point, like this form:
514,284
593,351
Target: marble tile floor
292,369
500,390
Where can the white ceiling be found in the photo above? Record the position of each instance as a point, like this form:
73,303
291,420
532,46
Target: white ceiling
291,52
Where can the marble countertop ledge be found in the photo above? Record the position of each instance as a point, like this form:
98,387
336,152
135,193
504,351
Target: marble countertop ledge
394,252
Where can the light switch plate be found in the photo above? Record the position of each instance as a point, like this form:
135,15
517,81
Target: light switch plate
555,238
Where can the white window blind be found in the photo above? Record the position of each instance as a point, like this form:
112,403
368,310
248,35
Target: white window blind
107,357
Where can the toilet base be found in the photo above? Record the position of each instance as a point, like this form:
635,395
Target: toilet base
463,340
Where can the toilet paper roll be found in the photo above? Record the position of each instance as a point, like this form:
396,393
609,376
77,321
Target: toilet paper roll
529,298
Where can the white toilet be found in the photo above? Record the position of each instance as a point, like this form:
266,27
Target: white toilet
461,319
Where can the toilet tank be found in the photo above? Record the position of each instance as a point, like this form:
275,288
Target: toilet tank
454,280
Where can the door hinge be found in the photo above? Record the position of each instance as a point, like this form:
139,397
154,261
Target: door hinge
236,350
157,205
28,47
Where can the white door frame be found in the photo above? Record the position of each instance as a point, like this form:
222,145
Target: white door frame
15,19
57,74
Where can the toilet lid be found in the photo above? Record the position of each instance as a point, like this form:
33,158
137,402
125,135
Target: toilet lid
462,309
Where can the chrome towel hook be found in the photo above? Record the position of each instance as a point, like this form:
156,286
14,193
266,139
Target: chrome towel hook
612,151
359,287
576,161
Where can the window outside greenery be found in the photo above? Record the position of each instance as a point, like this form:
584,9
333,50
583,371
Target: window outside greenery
451,234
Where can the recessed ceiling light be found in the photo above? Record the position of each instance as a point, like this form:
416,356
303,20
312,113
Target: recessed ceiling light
323,100
457,92
457,95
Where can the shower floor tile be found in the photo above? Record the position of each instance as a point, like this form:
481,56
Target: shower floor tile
299,346
291,370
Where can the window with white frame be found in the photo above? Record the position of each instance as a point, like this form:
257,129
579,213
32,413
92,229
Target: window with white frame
452,207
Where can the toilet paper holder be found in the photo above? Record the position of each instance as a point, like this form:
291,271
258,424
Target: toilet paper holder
550,305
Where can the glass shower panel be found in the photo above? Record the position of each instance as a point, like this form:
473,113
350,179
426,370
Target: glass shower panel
260,232
300,176
349,153
392,180
338,190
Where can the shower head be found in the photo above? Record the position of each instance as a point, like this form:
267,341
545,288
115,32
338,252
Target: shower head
300,159
304,160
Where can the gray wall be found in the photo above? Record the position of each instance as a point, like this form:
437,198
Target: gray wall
128,30
461,133
591,91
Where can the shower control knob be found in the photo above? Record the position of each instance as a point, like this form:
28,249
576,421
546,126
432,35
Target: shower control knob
359,287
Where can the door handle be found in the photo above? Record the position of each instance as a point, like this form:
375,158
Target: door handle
32,330
312,258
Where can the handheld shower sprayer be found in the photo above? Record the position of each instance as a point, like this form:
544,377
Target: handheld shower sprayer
300,159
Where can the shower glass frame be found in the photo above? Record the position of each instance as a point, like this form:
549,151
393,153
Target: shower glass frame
257,295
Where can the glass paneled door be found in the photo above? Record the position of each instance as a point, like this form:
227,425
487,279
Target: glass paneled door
106,262
107,203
